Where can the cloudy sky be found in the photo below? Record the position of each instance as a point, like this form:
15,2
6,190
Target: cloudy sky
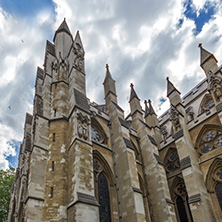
143,41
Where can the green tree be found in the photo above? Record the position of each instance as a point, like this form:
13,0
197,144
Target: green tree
6,179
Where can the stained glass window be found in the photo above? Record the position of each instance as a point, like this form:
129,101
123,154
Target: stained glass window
173,162
210,140
95,134
104,200
218,190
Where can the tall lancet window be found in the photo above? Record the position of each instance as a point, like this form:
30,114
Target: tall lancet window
102,192
104,200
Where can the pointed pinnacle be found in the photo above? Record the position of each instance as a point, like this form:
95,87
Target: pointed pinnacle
133,93
151,108
205,55
62,28
170,87
108,74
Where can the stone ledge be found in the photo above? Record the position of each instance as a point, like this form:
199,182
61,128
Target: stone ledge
194,198
185,163
137,190
178,134
34,198
86,199
159,160
219,107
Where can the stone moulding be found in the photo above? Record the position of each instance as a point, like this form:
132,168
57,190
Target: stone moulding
185,163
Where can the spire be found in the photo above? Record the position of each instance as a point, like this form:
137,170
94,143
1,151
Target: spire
78,40
170,87
133,93
62,28
205,55
108,74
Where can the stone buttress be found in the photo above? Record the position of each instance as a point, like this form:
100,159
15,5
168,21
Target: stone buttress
161,206
131,208
198,198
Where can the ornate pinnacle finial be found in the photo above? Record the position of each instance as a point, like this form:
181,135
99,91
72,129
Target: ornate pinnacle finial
145,102
107,66
64,18
167,78
200,45
149,101
131,85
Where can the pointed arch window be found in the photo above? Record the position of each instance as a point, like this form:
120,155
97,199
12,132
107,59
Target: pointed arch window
172,161
104,199
210,140
206,104
97,132
104,186
214,185
180,198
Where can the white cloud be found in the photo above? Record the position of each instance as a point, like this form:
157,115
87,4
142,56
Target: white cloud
21,50
140,40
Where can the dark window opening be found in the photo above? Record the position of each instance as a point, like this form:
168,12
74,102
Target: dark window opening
51,192
218,190
53,137
181,209
104,200
52,165
54,112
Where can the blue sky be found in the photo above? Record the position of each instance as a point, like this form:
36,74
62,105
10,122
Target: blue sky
143,43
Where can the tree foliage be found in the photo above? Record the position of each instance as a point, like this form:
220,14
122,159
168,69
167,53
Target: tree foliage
6,179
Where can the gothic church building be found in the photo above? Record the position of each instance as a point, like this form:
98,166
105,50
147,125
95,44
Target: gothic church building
85,162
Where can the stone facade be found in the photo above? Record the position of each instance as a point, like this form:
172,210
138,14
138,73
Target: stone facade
84,162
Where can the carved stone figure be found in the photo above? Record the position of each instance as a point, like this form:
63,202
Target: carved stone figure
83,126
79,56
190,113
215,85
164,132
174,118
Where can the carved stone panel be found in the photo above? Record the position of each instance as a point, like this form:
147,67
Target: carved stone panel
83,126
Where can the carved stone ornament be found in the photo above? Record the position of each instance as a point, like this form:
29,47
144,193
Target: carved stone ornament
60,64
83,126
174,118
215,85
190,113
79,56
164,132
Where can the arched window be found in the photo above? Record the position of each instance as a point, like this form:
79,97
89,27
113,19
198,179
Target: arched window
97,132
214,186
104,199
218,191
181,209
206,104
172,161
105,191
209,139
180,198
